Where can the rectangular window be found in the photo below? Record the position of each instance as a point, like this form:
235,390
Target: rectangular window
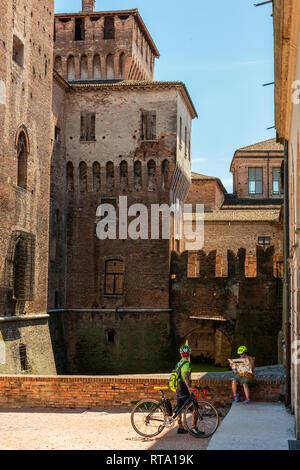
255,180
88,127
57,135
18,51
109,27
264,241
276,180
114,277
185,142
180,134
79,29
148,131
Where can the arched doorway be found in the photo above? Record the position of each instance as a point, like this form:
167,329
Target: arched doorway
209,346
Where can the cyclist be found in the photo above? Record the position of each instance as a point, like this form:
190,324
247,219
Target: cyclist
244,379
185,387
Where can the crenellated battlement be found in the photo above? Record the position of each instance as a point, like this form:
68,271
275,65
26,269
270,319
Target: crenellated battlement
244,263
103,46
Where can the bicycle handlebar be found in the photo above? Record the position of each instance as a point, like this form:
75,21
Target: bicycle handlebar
200,389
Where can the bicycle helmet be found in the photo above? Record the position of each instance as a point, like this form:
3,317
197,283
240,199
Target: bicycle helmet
185,350
242,350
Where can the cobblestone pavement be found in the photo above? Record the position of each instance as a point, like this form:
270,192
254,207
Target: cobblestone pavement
83,430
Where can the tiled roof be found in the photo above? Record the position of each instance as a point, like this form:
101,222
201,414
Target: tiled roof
199,176
233,215
265,145
259,215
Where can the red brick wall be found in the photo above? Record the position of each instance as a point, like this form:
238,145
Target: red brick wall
241,176
109,392
207,192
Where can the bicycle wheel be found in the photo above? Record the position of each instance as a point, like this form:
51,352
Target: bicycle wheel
206,419
148,418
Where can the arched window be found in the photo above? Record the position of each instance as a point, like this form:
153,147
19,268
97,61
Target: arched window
96,176
83,176
110,176
58,65
122,64
138,182
151,176
164,174
22,153
71,69
84,72
96,67
114,277
110,68
124,176
70,176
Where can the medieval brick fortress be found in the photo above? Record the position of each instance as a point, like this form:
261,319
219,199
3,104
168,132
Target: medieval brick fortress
96,128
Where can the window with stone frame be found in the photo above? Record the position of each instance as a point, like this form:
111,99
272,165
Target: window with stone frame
114,277
148,125
276,173
88,127
255,176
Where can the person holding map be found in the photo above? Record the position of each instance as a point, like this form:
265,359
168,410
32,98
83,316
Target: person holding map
243,369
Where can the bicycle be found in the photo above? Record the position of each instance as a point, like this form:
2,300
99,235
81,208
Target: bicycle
150,417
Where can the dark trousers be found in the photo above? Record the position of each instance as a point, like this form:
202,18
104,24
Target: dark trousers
182,395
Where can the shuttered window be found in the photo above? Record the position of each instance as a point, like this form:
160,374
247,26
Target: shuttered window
114,277
88,127
148,130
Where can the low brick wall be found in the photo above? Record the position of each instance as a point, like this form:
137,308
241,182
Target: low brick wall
111,392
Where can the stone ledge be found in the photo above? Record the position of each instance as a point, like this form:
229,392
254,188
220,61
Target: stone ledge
15,318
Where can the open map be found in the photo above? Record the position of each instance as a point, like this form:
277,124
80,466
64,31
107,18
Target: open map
241,366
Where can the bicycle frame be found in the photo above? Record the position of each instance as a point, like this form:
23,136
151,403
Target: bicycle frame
190,399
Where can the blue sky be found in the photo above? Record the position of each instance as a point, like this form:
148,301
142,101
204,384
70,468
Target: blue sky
223,51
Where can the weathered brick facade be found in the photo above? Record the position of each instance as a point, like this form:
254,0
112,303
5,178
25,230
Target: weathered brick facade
26,63
98,129
103,46
118,162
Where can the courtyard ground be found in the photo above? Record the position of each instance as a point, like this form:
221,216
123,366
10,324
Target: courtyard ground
83,430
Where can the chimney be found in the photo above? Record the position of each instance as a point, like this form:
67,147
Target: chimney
88,5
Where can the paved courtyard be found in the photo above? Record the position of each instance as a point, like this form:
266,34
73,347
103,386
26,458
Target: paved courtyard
83,430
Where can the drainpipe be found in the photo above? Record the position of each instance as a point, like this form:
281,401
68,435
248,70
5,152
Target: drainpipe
287,300
268,174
